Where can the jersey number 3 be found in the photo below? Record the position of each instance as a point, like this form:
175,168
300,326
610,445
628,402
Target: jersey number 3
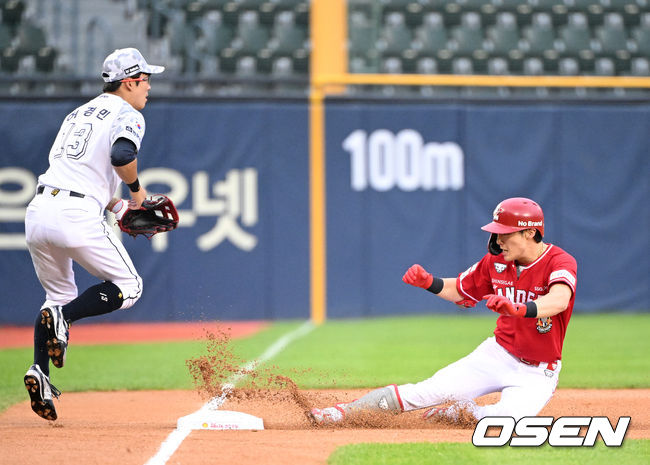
73,140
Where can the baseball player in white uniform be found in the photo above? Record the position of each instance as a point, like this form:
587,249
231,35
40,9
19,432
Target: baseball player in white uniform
93,152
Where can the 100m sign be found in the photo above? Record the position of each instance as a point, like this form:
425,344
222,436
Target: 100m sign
383,160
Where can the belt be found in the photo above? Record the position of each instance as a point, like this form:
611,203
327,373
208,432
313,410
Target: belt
534,363
55,191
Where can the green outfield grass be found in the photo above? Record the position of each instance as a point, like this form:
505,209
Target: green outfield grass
631,452
601,351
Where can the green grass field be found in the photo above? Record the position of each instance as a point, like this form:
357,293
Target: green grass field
601,351
631,452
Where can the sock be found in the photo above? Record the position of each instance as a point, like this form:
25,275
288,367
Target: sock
120,208
40,346
96,300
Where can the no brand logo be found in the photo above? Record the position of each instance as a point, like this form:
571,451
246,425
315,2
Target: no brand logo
529,223
564,432
132,69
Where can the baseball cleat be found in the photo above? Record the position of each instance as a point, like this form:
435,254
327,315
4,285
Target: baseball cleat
328,415
436,413
40,392
451,413
57,332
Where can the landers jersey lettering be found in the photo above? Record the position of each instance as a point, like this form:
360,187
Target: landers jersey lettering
533,339
80,158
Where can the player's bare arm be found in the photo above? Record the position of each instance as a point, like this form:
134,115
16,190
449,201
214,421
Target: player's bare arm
450,291
556,301
129,174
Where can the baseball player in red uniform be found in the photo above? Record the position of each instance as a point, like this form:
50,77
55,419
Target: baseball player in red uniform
531,284
94,151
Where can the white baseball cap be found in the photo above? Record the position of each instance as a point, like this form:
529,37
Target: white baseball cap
126,62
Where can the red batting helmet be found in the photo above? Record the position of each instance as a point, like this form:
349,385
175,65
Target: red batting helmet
515,214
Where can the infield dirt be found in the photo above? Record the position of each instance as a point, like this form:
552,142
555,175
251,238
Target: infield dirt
129,427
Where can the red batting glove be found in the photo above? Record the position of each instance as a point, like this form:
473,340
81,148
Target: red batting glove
501,304
418,276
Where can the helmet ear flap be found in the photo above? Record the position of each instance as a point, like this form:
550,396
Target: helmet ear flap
493,247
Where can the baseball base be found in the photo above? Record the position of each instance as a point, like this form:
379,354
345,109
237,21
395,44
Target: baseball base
220,420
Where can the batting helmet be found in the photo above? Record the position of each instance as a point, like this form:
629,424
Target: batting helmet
515,214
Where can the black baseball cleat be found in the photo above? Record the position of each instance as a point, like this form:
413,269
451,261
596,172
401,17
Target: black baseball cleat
40,392
57,334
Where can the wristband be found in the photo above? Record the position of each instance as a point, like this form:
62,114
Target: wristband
436,286
531,310
134,186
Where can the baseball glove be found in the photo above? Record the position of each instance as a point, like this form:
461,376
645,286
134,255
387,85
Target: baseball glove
157,214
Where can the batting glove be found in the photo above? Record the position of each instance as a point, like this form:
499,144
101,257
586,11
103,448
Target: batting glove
501,304
418,276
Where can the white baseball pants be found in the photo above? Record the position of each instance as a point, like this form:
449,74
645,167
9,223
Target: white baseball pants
61,229
525,389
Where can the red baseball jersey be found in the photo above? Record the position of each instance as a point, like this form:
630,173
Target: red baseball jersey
537,339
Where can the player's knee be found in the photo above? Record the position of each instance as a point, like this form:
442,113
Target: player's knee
129,302
131,292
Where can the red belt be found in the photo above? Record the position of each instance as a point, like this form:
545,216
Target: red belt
534,363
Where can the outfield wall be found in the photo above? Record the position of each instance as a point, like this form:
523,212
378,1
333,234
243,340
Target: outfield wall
406,183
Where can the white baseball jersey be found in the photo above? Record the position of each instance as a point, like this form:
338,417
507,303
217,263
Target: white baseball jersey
61,227
80,155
